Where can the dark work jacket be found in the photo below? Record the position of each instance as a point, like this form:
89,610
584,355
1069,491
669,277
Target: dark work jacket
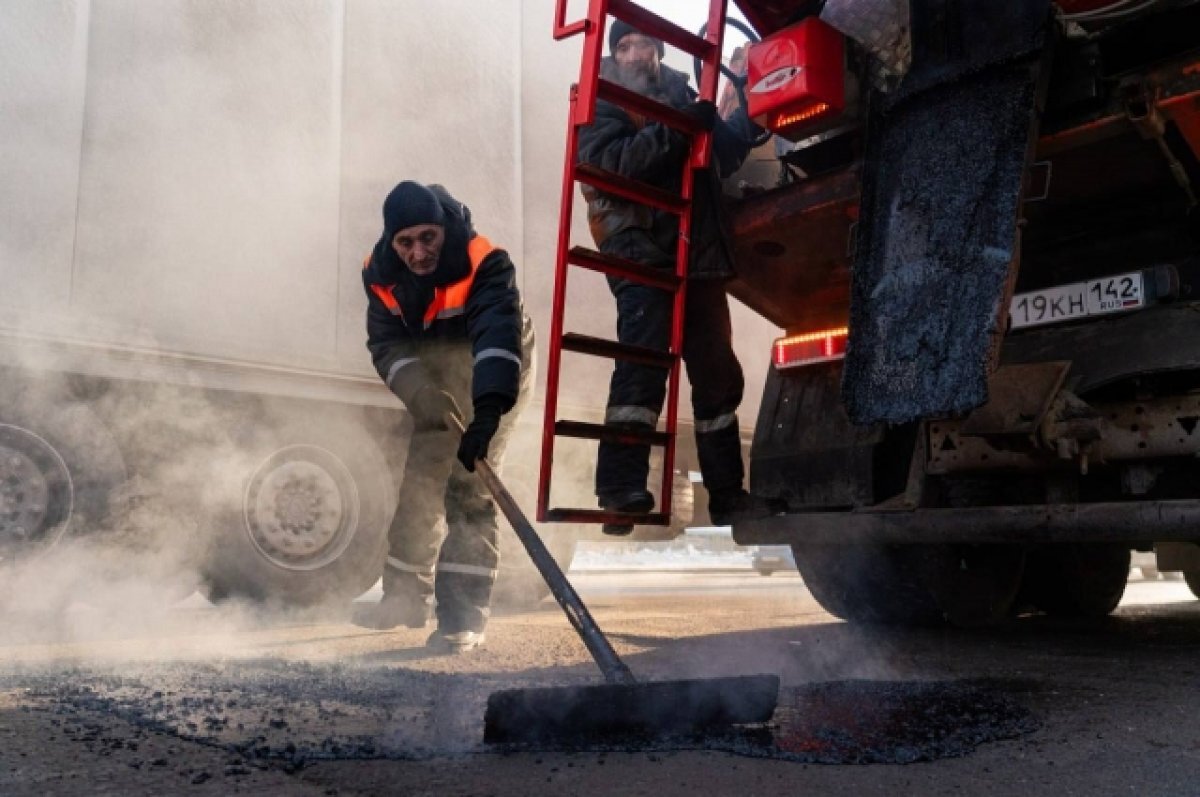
629,145
475,350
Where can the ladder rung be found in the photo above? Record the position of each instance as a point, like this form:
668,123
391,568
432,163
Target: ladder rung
655,26
644,106
604,516
632,190
625,269
611,434
642,355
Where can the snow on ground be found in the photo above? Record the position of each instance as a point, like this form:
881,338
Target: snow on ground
698,549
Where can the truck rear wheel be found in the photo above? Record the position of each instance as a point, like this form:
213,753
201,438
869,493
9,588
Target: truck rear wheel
874,585
973,585
305,517
967,586
1077,580
1192,577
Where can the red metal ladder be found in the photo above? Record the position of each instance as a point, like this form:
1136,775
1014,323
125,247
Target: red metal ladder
584,94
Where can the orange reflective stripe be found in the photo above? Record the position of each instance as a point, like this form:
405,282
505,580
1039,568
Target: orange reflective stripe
454,296
384,292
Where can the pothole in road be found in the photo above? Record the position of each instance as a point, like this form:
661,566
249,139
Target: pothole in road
295,714
880,722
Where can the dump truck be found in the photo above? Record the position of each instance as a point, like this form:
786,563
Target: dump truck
978,226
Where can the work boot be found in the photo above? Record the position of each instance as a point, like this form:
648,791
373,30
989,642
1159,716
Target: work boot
638,501
390,612
727,507
454,641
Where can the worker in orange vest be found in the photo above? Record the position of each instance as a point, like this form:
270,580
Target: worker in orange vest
446,329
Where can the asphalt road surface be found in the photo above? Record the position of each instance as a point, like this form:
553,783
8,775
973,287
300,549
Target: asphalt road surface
191,699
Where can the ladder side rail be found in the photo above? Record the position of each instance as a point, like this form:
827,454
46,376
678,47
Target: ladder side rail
558,310
682,254
710,74
589,69
699,158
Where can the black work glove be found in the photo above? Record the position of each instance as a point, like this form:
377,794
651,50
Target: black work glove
703,112
479,434
429,407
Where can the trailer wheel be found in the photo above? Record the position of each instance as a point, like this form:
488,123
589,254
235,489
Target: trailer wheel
1078,580
974,585
304,518
60,470
867,584
60,477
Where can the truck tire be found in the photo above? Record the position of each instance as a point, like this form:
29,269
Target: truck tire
973,585
873,585
304,517
1077,580
60,474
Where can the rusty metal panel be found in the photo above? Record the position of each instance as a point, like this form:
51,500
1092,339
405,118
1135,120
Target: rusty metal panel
952,452
1129,431
792,251
1018,398
1163,427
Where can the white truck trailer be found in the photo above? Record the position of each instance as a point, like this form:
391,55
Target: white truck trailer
187,192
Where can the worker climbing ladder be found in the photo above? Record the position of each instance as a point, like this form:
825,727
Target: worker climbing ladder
584,95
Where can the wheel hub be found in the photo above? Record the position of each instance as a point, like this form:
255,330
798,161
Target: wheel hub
35,491
301,508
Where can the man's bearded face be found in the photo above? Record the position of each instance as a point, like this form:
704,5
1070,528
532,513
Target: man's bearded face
636,56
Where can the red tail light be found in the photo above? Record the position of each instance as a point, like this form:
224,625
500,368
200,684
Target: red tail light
809,349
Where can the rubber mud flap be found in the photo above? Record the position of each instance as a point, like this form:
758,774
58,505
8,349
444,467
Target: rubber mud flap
937,246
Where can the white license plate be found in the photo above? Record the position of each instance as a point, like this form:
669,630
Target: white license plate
1078,300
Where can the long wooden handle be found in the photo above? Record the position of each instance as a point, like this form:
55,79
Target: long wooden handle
598,645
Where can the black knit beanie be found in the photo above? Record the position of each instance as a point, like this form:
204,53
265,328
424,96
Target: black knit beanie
411,204
620,29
